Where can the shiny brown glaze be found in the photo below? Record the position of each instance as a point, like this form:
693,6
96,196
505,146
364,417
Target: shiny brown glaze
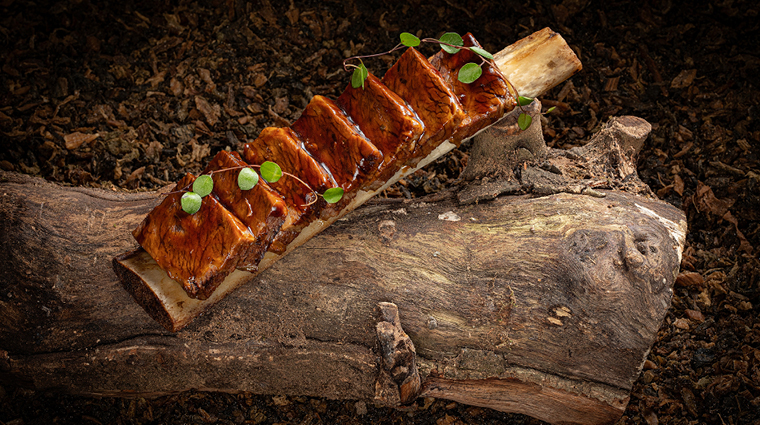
388,127
197,250
386,120
485,100
282,146
337,143
421,86
261,209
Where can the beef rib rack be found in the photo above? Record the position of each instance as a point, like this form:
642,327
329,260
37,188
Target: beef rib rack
363,142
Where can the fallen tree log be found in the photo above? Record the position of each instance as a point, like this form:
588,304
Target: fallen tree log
545,302
540,305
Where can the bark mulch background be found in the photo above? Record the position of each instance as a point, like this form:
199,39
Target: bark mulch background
131,94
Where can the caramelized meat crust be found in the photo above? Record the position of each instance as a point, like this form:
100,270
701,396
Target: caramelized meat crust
485,100
386,120
423,88
337,143
261,209
358,142
283,147
197,250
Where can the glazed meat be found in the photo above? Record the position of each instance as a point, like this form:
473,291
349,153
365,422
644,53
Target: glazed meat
261,209
283,147
485,100
197,250
337,144
359,142
386,120
421,86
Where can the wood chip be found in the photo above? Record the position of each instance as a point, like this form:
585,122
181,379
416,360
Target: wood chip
211,113
611,84
690,280
695,315
681,323
684,79
76,139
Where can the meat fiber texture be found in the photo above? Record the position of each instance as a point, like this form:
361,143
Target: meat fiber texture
197,250
359,142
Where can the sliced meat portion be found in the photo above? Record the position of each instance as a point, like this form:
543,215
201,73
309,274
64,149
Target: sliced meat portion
283,147
337,143
386,120
390,123
261,209
485,100
197,250
423,88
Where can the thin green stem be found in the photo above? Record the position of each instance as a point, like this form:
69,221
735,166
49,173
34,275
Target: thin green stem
517,100
240,167
347,65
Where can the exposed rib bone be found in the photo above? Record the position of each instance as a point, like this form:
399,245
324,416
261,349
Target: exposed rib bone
533,65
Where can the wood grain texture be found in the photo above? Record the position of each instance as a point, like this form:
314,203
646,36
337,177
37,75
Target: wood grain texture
518,290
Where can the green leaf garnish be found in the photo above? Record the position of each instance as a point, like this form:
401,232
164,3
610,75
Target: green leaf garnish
360,74
469,73
333,195
271,171
365,72
482,52
247,179
203,185
522,100
524,121
356,79
451,38
191,202
409,40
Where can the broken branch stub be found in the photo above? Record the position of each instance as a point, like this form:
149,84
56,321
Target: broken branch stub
398,382
499,148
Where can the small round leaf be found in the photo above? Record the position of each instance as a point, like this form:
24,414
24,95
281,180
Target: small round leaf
191,202
451,38
359,76
203,185
356,79
409,40
247,179
333,195
522,100
482,52
524,121
469,73
271,171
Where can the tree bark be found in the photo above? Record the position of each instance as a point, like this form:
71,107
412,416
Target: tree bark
545,306
544,303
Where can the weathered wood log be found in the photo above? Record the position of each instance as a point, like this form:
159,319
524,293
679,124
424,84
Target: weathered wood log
607,161
535,64
546,306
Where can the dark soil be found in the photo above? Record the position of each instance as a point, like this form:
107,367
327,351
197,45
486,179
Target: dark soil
132,94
